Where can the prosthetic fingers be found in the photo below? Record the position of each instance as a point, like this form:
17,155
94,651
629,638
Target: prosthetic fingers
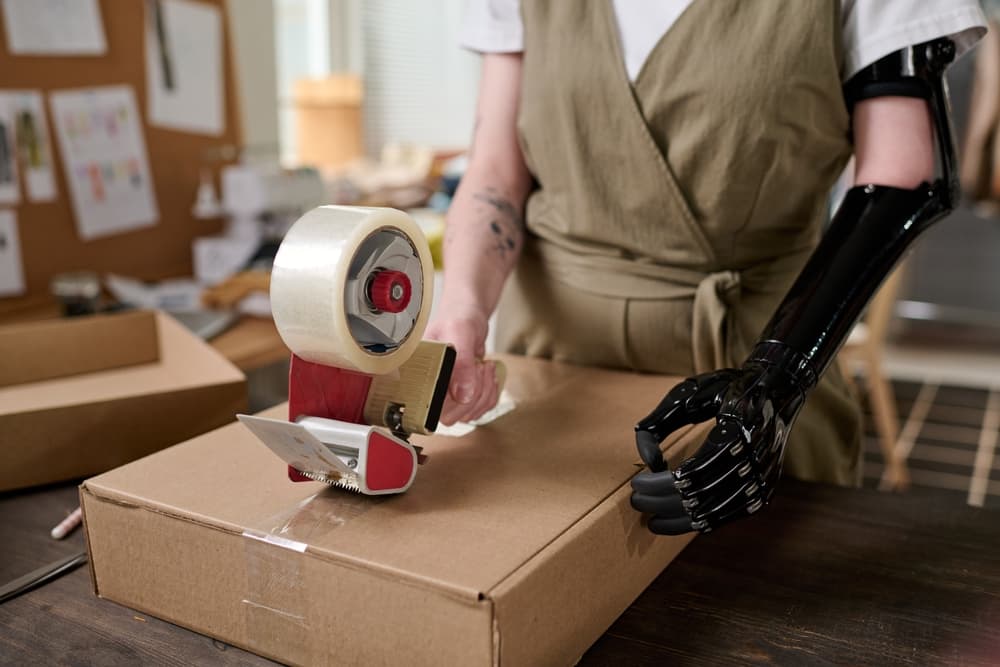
734,473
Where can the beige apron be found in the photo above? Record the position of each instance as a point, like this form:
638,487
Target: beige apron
672,214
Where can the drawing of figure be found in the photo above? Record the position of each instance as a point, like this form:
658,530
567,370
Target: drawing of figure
6,155
29,140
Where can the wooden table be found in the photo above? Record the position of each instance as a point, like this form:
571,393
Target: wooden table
251,343
825,576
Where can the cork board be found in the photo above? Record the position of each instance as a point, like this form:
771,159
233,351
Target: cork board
50,243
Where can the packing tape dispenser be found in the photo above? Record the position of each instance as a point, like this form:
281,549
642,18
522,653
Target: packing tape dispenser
351,291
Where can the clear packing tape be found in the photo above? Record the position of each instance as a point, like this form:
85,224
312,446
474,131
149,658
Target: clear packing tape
276,602
322,277
277,597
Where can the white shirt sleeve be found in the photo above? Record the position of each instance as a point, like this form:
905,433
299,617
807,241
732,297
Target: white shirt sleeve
871,28
876,28
492,26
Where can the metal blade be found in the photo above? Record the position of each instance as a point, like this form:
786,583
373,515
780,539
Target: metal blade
296,446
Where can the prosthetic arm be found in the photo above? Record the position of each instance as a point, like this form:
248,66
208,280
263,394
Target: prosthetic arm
734,473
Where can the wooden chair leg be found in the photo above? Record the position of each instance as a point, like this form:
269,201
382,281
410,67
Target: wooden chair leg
847,370
896,476
847,361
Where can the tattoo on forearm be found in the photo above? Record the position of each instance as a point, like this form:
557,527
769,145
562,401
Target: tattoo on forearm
505,224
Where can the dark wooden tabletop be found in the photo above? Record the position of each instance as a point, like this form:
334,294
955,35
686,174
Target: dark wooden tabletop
825,576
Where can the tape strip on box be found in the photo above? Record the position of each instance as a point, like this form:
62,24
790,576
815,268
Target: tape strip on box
276,601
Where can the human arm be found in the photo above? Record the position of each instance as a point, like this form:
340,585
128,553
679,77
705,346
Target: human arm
896,102
483,237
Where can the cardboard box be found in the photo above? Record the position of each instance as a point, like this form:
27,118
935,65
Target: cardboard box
34,351
516,544
135,383
328,121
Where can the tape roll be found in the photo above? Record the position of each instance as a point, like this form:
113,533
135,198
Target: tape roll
322,287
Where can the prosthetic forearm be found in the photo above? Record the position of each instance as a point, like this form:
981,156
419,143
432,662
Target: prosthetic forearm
874,225
735,471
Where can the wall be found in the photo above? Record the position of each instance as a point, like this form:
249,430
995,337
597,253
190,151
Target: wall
955,265
419,85
346,43
252,27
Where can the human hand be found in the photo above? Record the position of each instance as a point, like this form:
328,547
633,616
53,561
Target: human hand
734,473
473,389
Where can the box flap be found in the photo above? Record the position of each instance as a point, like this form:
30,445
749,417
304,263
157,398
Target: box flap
56,348
185,361
483,505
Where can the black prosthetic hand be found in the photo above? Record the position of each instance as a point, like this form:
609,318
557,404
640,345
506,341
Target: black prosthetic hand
734,473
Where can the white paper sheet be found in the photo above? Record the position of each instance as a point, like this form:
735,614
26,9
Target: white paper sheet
184,76
105,160
11,268
33,142
219,257
176,295
54,27
9,191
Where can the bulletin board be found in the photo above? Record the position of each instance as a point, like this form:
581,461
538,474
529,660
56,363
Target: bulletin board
50,242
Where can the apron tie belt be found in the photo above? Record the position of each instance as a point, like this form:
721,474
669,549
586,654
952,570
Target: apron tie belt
714,295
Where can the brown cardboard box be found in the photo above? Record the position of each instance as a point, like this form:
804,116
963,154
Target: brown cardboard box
34,351
328,126
516,544
135,383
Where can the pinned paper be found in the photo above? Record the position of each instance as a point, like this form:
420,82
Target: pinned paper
31,137
219,257
54,27
184,76
11,268
105,160
9,191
